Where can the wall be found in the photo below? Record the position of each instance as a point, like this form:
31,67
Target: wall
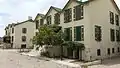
85,22
18,34
99,15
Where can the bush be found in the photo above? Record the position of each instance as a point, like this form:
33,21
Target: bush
45,54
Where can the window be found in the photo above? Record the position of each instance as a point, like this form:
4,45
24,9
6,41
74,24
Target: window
23,46
41,21
111,17
98,52
79,33
37,24
24,30
57,18
113,50
117,19
108,50
112,34
68,32
6,32
36,33
118,49
12,38
49,20
68,15
98,33
117,36
12,30
78,12
23,38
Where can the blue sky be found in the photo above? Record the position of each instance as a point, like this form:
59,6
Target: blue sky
12,11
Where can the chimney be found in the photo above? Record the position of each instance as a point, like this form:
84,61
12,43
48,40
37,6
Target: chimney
29,17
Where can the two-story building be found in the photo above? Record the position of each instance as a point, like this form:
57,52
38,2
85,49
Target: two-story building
21,34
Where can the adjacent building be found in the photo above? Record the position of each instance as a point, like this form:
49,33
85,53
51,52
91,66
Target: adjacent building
39,21
21,34
52,16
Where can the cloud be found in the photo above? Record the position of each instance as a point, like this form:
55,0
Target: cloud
12,11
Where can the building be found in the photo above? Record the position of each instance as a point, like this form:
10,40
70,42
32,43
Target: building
21,34
95,23
52,16
39,20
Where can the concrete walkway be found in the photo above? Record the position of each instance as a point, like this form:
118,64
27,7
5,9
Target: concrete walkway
11,59
108,63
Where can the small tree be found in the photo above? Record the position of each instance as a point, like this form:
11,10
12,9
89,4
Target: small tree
49,35
54,36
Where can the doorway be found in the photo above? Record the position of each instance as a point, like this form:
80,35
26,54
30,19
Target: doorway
23,46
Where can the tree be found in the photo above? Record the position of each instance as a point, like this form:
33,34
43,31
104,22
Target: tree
54,36
48,35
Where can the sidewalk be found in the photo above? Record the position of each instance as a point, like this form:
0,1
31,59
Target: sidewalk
66,63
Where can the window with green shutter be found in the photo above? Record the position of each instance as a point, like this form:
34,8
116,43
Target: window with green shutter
68,15
57,18
111,17
98,33
78,12
112,34
49,20
68,32
79,33
37,24
41,21
117,19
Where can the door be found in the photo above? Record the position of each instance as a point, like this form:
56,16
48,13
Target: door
77,53
23,46
70,53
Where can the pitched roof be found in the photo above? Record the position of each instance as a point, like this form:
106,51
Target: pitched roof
116,6
55,8
70,2
39,14
113,1
24,22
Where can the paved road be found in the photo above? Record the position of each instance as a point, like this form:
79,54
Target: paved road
109,63
11,59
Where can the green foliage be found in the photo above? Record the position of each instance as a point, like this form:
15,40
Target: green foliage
49,35
74,45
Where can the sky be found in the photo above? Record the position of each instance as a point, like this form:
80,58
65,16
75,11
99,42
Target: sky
12,11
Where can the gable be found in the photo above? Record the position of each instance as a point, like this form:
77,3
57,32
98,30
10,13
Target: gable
24,22
116,6
38,16
52,9
69,3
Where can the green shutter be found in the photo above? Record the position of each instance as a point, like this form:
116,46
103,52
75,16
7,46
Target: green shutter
78,33
74,33
65,31
70,34
74,13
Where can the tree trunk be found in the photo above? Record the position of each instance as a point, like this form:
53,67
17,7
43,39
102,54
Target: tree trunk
61,56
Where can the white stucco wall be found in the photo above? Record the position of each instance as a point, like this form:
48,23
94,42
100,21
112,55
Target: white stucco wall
85,21
18,34
52,12
95,13
99,15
